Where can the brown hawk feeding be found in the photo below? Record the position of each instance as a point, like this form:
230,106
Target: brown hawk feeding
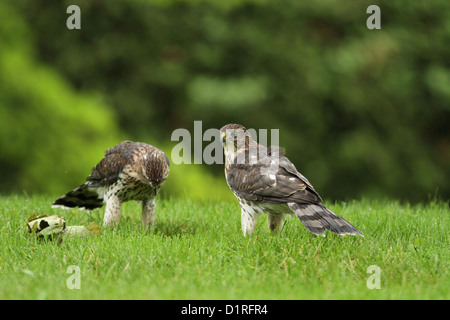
128,171
265,181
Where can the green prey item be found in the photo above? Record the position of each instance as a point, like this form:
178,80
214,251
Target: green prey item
55,227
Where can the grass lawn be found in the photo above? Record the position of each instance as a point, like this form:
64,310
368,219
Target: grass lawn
196,251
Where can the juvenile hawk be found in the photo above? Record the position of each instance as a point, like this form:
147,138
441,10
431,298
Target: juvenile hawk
128,171
264,180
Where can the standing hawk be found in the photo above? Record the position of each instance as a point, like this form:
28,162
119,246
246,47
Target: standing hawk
264,180
129,171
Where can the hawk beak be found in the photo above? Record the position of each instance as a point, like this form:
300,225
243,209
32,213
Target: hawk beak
223,140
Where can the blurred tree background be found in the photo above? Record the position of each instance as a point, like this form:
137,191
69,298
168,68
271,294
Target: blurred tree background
360,112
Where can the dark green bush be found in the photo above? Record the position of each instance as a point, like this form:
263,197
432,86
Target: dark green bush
360,112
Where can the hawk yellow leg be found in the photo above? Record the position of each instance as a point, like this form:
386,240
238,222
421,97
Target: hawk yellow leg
148,212
248,222
112,211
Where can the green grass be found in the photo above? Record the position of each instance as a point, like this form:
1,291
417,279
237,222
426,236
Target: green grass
196,251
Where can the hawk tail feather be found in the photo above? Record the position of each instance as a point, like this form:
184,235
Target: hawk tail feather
82,197
316,218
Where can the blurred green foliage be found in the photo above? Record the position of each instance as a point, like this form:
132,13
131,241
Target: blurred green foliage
49,133
360,112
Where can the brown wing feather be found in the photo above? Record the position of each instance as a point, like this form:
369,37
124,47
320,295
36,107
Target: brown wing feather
283,186
116,158
131,153
107,170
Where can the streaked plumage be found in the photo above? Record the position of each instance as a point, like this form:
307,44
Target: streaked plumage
128,171
265,181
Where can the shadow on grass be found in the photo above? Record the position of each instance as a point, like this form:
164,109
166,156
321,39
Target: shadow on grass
170,228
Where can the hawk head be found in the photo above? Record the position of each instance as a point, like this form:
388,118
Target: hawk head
155,167
234,137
